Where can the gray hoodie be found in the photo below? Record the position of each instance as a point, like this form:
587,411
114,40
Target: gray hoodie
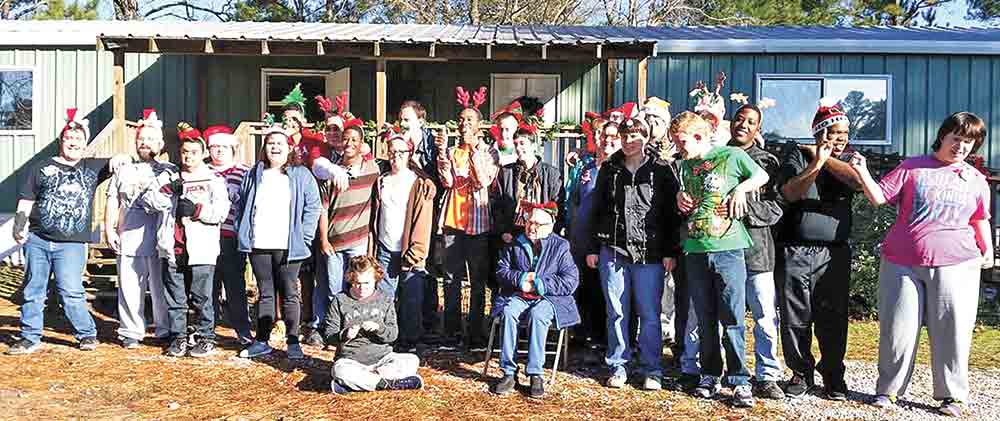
346,311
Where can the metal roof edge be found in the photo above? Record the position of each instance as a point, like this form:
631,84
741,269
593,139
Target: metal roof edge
48,39
810,46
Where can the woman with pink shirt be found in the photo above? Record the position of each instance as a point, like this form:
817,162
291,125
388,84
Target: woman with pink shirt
931,258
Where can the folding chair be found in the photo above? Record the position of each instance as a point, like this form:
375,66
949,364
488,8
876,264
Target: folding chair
561,347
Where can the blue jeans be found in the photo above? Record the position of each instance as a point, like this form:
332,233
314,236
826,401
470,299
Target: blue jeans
330,272
201,278
718,290
541,315
43,259
764,307
623,284
408,290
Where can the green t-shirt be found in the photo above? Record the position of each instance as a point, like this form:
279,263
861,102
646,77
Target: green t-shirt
709,181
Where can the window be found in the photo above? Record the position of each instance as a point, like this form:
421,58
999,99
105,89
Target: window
276,83
867,100
505,87
16,108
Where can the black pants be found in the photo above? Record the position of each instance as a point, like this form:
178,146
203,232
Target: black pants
275,274
682,304
431,318
590,300
229,277
467,257
813,285
175,278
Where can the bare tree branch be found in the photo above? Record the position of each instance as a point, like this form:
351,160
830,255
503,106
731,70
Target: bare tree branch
188,7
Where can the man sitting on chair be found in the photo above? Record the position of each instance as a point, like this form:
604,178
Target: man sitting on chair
537,279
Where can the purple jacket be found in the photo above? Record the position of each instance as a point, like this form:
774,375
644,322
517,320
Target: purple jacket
556,276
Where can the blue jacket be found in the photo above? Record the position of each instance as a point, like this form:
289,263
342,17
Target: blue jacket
305,209
556,276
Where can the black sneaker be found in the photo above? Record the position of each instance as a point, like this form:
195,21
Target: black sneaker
769,390
178,347
506,385
23,347
450,344
202,349
537,387
314,338
742,396
835,390
798,386
337,389
405,383
128,343
88,344
685,382
707,388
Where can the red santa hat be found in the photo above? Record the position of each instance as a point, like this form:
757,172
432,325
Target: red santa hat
150,119
828,114
74,122
220,135
185,131
628,110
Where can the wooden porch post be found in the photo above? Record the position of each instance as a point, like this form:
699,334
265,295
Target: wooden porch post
380,103
609,96
118,93
641,80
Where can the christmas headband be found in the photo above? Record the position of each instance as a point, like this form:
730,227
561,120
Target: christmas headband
73,121
462,97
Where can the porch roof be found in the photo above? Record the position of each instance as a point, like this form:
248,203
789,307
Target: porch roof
477,42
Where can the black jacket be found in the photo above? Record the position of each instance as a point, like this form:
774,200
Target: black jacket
765,211
636,214
504,200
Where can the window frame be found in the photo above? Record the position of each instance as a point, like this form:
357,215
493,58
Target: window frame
525,76
759,79
270,71
34,93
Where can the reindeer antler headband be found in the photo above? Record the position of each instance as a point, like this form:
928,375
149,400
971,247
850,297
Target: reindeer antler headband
478,98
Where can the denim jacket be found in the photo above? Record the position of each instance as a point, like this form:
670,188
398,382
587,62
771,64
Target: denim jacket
305,210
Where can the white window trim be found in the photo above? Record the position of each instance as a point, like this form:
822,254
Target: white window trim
267,71
494,76
760,77
34,94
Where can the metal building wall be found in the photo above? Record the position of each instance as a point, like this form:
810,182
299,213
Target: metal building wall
81,78
926,88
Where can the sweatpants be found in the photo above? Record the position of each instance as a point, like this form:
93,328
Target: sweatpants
360,377
135,276
813,285
946,299
276,276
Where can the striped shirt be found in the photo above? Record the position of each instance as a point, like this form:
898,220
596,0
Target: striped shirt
467,176
233,176
350,210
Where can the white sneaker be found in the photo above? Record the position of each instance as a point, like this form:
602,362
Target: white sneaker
256,349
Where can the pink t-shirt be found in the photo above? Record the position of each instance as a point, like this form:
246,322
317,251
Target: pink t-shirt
935,205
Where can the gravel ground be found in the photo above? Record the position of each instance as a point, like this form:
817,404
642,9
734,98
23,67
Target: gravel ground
918,404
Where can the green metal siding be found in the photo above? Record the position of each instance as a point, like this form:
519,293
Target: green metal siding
67,78
582,87
926,88
232,84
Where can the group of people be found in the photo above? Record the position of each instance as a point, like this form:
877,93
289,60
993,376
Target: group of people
666,230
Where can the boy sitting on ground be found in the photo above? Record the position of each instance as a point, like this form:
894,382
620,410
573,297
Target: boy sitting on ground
362,323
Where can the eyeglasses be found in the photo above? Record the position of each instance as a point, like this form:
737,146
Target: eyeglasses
400,154
536,224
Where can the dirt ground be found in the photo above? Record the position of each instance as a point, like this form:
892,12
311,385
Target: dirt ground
61,382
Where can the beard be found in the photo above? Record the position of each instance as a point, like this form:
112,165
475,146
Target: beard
147,154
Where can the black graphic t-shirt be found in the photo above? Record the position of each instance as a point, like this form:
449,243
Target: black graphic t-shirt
63,198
